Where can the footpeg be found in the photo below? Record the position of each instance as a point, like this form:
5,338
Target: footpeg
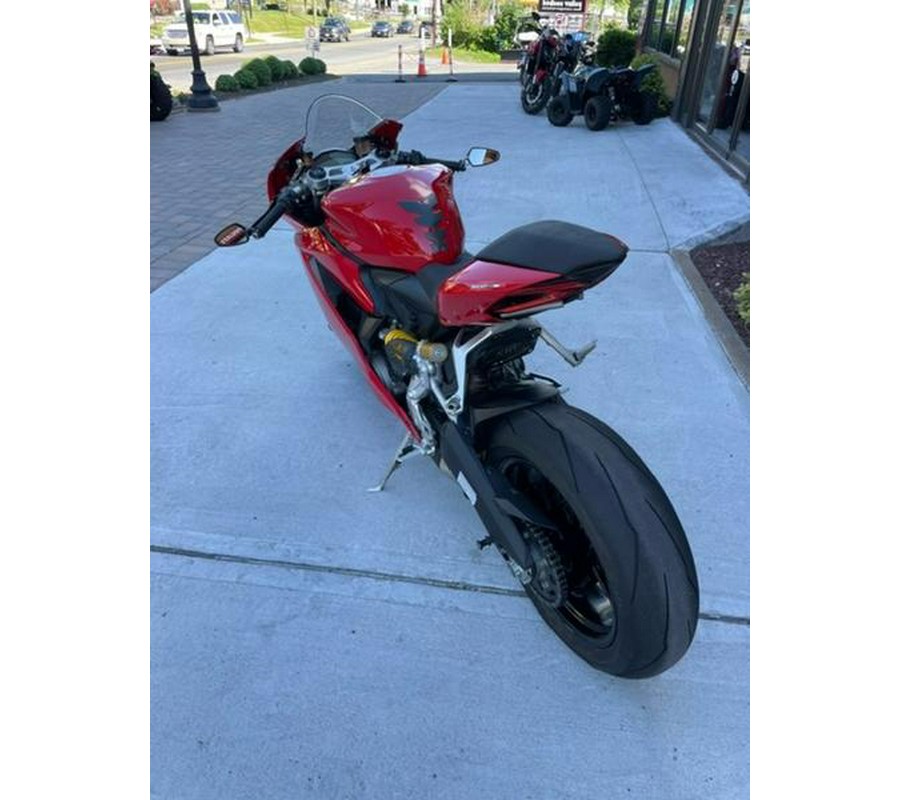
573,357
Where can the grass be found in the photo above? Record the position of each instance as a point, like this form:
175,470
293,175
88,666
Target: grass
469,56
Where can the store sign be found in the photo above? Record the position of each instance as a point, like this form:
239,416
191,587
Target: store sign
561,6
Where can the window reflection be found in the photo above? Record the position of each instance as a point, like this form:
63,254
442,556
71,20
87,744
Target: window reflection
715,77
684,30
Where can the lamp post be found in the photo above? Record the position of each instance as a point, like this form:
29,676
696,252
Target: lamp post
202,98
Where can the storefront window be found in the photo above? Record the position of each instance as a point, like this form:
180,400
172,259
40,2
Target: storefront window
657,10
733,115
684,29
664,33
716,78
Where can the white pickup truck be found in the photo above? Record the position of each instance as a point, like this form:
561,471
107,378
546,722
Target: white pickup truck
212,29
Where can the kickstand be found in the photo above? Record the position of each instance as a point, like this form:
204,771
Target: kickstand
406,450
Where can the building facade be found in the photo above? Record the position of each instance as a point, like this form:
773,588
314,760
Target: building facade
704,51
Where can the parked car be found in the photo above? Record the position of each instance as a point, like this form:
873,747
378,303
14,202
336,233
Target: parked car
382,28
334,29
212,29
405,27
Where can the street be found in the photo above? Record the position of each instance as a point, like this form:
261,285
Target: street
362,54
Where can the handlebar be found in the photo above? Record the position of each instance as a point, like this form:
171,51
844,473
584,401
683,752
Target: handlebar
292,195
415,158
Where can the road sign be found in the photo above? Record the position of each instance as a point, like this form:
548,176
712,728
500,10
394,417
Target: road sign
561,6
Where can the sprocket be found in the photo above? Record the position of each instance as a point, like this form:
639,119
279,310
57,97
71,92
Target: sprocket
549,582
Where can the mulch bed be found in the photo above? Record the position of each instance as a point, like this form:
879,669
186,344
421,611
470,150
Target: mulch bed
722,267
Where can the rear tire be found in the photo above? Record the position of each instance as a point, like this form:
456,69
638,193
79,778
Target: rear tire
645,108
631,593
238,44
597,112
557,113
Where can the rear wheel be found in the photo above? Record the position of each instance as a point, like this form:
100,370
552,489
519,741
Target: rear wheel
238,43
644,109
616,579
597,112
558,113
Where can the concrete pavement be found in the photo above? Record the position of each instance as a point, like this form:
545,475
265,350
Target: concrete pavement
313,640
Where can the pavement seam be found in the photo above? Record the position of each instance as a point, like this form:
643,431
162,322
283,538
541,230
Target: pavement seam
640,174
391,577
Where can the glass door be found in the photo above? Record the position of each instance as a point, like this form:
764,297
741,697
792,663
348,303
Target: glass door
717,75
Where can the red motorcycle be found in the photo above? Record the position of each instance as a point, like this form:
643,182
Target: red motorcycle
441,337
540,69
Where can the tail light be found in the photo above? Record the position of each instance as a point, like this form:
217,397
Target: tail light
541,297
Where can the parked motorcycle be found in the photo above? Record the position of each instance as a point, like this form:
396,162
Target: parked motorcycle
536,72
441,336
602,95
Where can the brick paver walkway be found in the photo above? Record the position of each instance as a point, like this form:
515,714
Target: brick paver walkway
209,169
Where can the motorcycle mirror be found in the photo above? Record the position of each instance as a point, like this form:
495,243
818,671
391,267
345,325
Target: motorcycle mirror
481,156
232,235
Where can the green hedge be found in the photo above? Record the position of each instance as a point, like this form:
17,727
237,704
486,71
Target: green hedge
312,66
227,83
615,48
261,69
275,67
260,72
246,79
654,84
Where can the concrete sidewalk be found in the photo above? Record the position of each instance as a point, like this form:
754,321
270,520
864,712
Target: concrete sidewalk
312,640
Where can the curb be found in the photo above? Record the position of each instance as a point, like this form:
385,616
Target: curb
737,353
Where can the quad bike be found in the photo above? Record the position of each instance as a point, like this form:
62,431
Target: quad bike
441,337
603,95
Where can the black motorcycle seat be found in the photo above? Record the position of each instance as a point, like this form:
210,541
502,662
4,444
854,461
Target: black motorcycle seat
561,247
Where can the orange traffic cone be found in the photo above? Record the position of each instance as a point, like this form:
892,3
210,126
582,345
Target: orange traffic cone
422,71
444,57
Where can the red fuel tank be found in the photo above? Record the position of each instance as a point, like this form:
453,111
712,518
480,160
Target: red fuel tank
398,217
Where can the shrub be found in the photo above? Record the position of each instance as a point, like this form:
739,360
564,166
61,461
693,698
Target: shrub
274,65
312,66
654,84
289,69
246,79
467,27
742,298
261,69
227,83
615,48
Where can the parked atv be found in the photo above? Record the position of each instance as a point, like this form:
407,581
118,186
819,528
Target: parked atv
603,95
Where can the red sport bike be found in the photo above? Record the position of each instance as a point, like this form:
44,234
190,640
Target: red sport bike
442,335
